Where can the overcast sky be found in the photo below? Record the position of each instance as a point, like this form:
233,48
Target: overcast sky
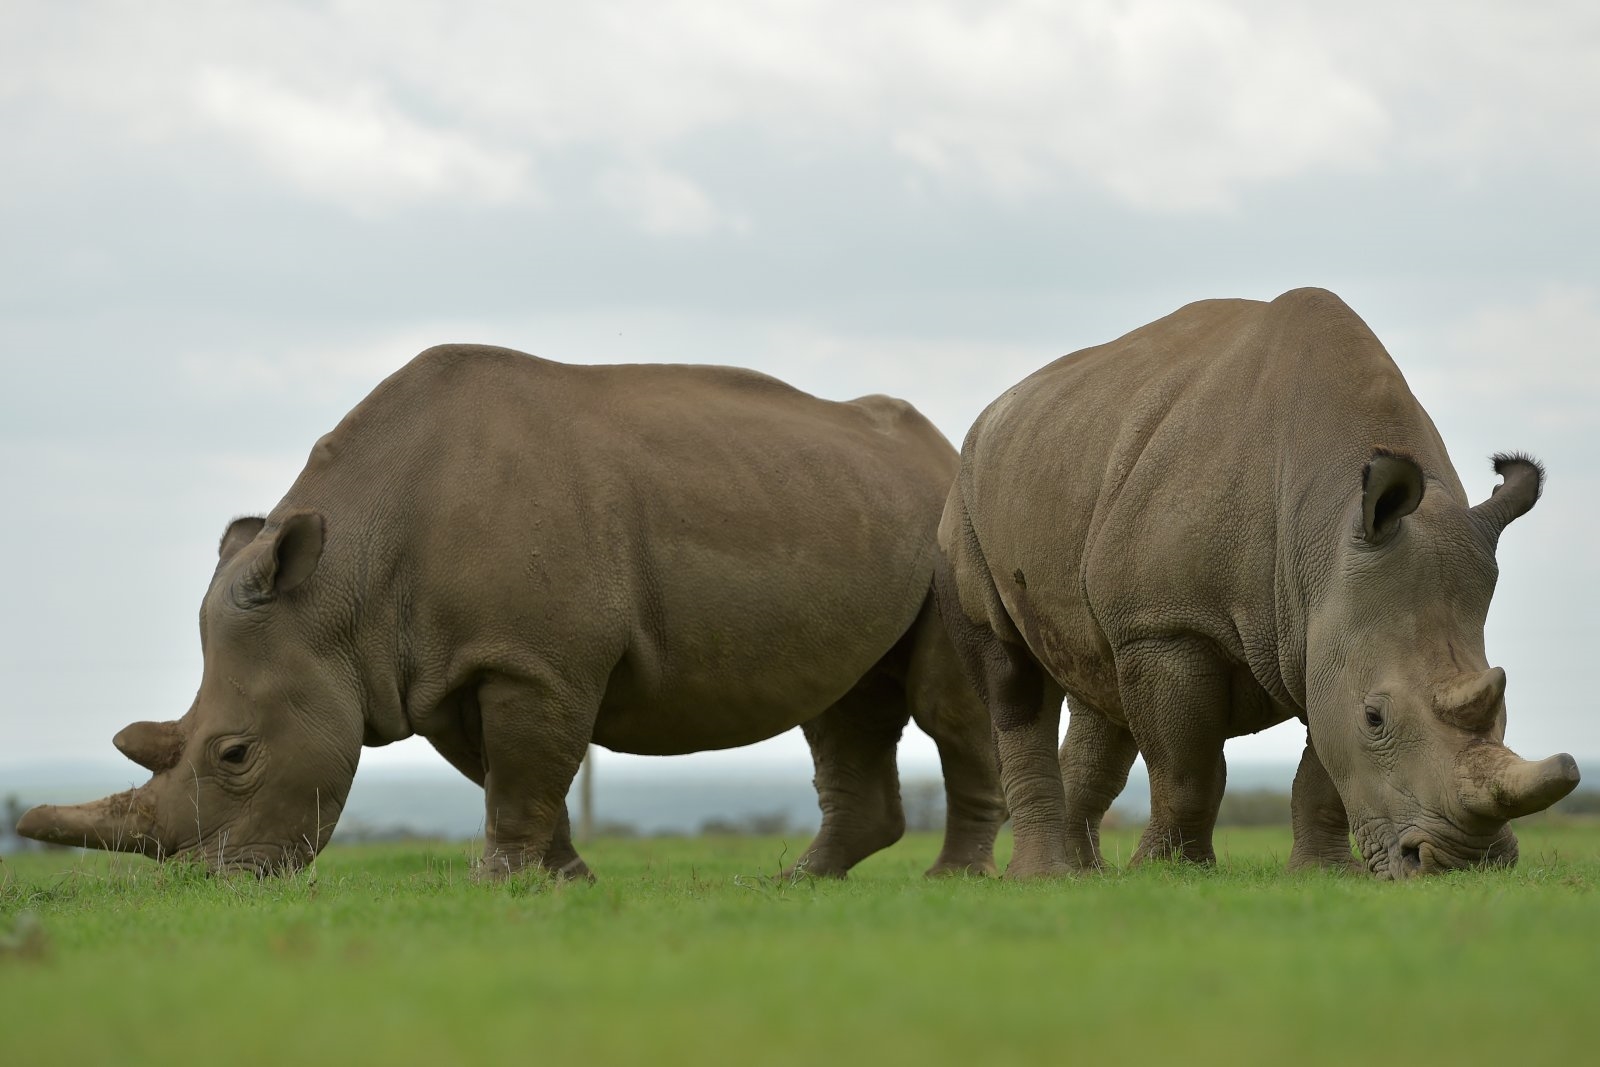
221,225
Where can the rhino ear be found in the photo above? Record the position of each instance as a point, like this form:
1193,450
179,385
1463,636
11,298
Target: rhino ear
292,551
1522,480
240,532
1391,489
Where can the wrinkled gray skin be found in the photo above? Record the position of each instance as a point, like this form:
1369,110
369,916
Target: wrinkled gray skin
1231,517
512,558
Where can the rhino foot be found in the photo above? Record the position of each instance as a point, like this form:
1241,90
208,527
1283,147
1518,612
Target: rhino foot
812,865
574,870
1307,860
1021,870
498,866
976,867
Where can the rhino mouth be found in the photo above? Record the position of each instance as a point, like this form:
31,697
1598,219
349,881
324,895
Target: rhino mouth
261,861
1397,853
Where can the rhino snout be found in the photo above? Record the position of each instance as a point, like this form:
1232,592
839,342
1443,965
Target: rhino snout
1420,852
1412,859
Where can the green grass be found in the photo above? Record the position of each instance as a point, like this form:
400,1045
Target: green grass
687,951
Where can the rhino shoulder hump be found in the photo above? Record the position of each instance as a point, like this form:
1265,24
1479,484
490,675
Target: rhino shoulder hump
887,410
455,356
900,418
1311,300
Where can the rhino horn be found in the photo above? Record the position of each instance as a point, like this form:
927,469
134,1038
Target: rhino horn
1472,701
155,746
1498,784
1522,480
118,823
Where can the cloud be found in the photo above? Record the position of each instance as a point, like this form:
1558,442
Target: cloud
664,203
1478,86
313,373
1170,107
1163,105
1537,357
354,147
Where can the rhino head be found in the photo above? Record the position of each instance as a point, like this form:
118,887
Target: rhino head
1403,708
254,776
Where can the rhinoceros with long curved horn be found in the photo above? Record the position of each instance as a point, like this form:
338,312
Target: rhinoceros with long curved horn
1234,516
514,558
253,777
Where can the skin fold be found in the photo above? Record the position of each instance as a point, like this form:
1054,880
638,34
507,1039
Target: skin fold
514,558
1231,517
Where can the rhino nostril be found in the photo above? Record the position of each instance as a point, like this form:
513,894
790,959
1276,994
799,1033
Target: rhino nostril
1411,858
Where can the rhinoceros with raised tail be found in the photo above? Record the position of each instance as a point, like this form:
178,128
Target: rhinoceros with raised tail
1231,517
513,557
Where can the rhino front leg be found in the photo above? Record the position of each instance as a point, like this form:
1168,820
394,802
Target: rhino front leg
534,736
1095,758
1175,694
858,785
461,744
1321,827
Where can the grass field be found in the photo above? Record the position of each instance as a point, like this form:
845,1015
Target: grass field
688,951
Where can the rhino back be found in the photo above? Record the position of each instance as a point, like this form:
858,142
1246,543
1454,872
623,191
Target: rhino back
729,554
1199,468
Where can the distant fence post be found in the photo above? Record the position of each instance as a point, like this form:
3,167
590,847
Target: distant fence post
586,796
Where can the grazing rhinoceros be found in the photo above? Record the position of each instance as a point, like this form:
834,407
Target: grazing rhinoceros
512,558
1231,517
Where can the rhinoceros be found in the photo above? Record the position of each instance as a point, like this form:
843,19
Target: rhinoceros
513,557
1231,517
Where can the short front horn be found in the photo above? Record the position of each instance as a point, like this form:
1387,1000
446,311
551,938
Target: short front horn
154,746
1471,701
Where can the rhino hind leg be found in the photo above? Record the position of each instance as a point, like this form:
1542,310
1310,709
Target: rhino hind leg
1025,711
945,707
1321,827
1095,758
1176,696
1024,702
858,784
535,733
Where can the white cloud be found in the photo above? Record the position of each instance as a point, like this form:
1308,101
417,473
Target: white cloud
1538,357
1170,106
338,371
1167,106
1478,86
354,148
662,202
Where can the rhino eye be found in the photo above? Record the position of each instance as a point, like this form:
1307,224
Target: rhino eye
235,754
1375,718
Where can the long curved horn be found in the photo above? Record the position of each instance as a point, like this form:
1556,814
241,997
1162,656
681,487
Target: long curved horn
1522,480
118,823
1471,701
1499,784
154,746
